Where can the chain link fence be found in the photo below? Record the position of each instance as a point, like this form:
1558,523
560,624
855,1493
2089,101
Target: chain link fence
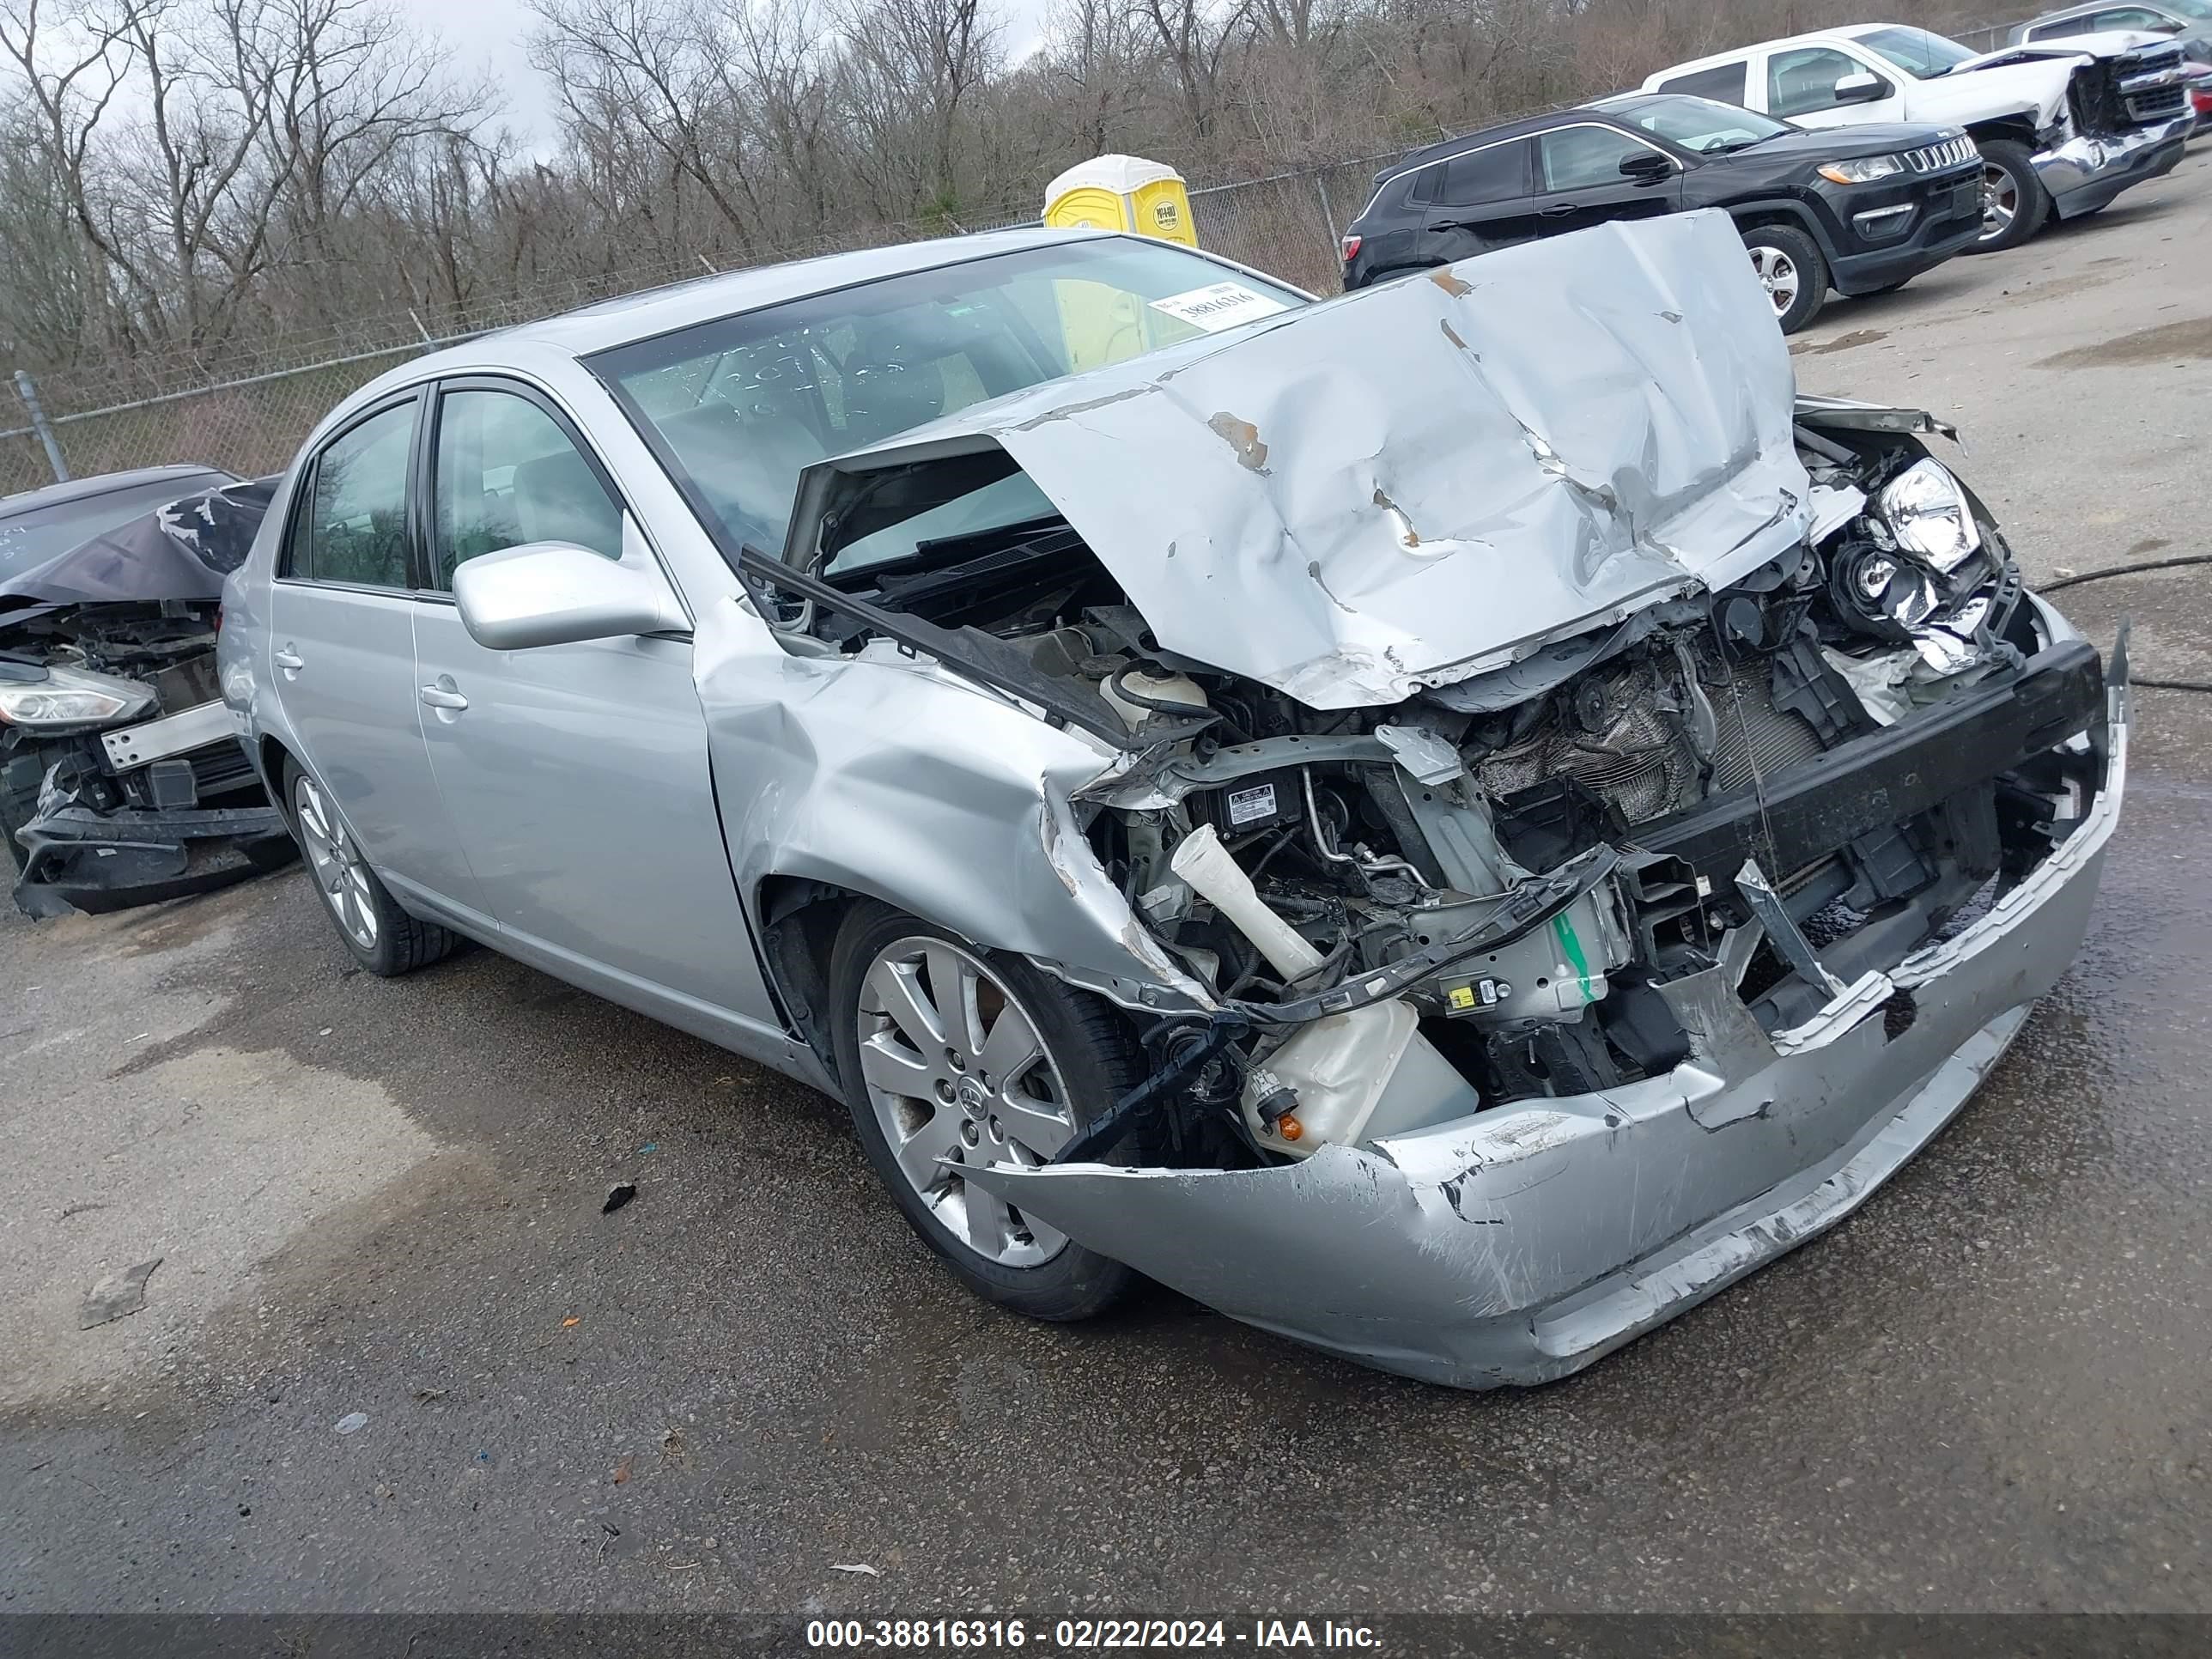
77,426
142,413
1288,224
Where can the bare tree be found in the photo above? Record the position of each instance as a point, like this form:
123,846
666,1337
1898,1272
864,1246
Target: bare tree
914,70
1195,37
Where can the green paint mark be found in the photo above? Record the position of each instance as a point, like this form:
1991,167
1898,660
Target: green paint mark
1571,947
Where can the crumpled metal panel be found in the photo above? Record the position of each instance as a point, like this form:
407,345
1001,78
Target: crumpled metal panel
1408,485
889,775
182,550
1524,1242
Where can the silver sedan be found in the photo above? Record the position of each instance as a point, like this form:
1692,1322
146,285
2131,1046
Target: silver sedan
1450,822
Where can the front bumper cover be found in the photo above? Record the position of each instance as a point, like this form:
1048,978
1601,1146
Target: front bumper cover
77,859
1946,218
1522,1243
2085,173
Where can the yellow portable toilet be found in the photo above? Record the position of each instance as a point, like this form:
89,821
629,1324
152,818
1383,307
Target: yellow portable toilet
1122,192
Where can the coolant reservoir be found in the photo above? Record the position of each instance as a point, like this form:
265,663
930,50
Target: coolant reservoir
1339,1065
1161,688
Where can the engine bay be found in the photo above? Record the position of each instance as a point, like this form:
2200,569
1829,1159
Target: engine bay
1525,882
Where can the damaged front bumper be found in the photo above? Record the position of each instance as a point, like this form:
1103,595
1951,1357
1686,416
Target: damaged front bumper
1521,1244
75,858
2085,173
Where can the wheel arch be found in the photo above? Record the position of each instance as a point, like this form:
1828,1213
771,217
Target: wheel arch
798,918
1795,215
270,756
2018,127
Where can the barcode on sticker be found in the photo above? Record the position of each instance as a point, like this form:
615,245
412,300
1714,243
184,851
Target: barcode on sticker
1246,805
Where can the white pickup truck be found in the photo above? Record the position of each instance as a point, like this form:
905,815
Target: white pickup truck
2063,125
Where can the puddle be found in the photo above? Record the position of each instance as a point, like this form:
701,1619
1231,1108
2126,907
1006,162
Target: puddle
2168,343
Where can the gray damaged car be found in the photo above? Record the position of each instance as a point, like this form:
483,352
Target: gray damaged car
121,782
1450,822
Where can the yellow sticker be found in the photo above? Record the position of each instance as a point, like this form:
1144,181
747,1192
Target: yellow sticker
1459,996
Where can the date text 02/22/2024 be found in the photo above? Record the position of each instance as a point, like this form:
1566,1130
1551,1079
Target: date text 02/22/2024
1085,1634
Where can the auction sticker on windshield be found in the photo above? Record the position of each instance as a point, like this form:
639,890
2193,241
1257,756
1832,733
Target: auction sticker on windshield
1223,305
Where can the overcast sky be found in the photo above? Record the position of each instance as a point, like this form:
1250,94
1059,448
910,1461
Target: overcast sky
489,34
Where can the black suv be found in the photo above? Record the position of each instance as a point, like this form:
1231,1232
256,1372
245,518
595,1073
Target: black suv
1863,209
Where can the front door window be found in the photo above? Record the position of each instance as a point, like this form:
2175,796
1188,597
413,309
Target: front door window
508,474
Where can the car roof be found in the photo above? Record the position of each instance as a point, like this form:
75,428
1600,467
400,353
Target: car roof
703,298
1815,37
2089,10
1524,127
82,489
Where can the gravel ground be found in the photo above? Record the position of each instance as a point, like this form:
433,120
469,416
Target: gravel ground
383,1198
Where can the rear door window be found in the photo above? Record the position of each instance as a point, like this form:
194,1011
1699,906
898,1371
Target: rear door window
1725,82
354,530
1497,173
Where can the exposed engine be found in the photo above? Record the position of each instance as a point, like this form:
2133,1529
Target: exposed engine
1529,880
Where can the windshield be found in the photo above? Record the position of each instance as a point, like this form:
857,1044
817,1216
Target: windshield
2200,8
1918,53
1700,123
742,404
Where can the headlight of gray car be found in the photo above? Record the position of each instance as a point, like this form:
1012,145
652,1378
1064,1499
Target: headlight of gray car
1926,510
72,696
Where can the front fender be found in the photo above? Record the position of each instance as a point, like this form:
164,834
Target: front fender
891,776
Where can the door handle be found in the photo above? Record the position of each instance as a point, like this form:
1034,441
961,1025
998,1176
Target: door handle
290,660
435,697
1557,210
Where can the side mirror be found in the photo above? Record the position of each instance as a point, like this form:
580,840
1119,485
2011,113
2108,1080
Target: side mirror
1646,166
559,593
1861,88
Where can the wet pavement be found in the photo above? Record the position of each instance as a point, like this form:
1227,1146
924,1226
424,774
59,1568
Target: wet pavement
1986,1390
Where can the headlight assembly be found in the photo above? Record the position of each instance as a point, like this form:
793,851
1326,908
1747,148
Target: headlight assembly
1926,510
72,696
1863,170
1881,593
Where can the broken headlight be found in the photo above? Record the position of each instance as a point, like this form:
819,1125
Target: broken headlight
1881,591
1926,510
72,696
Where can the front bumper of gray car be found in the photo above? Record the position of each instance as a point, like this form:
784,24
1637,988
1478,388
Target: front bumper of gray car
2085,173
1522,1243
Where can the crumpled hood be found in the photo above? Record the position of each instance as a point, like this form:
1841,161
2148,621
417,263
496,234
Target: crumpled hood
2090,43
180,550
1397,488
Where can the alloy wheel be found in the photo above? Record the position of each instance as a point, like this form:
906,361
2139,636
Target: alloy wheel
957,1075
2000,202
337,866
1777,275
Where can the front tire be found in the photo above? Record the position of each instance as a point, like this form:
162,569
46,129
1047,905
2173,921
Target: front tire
1789,266
952,1055
381,937
2014,203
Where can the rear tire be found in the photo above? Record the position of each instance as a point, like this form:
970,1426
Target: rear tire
933,1015
381,937
1789,265
2014,203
